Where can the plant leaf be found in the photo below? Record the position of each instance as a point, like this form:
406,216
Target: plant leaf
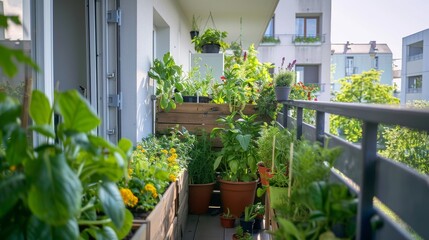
126,227
244,141
112,203
45,130
40,109
55,191
11,188
37,229
76,112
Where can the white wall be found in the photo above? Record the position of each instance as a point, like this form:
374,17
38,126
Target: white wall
136,58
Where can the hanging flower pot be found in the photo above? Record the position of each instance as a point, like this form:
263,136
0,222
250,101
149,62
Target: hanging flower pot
211,48
194,34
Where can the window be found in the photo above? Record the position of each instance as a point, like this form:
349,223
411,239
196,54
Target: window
415,84
415,51
350,66
375,62
270,28
307,27
16,37
309,75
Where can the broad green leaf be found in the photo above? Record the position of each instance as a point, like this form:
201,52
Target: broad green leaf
40,108
10,110
178,97
16,148
46,130
112,203
76,112
233,165
106,233
164,102
244,141
217,162
11,188
128,223
55,191
37,229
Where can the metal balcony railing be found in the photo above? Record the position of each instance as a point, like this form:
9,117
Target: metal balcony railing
401,189
415,57
299,39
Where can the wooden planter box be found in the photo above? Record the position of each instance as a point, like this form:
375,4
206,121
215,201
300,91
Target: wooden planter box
195,116
168,219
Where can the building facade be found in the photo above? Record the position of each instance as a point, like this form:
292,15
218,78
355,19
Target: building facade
301,30
105,48
354,58
415,67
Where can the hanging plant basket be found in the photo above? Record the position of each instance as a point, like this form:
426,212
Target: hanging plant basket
211,48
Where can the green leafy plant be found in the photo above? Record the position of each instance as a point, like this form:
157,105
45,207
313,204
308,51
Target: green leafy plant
71,169
237,159
266,103
284,79
249,213
196,85
303,39
168,77
240,234
200,165
270,39
227,214
283,138
210,36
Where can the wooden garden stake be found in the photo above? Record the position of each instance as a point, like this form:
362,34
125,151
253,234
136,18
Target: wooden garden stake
290,169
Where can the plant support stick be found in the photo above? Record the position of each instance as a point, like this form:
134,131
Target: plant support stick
290,169
274,147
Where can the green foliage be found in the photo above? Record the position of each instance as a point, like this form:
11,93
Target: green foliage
249,213
237,159
58,189
200,165
408,146
284,78
359,88
301,91
240,234
270,39
168,78
303,39
195,85
282,145
210,36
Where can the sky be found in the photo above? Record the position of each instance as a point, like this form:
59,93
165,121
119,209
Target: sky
384,21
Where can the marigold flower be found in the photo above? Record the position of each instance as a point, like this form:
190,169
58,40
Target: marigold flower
172,150
128,197
130,171
172,177
150,188
139,147
164,151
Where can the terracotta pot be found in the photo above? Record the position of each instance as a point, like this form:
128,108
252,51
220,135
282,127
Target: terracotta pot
227,222
199,197
265,174
237,195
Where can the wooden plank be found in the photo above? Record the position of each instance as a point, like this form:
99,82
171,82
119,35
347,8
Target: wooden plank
143,232
193,128
162,216
221,109
182,218
182,190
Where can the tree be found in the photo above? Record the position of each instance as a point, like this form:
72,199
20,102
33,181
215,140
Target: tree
359,88
408,146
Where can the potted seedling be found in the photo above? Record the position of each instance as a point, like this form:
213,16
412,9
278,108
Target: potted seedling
227,220
240,234
248,219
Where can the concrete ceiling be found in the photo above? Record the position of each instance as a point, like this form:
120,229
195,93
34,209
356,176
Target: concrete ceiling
227,14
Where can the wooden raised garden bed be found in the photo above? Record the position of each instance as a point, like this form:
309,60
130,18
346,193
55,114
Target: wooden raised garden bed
168,219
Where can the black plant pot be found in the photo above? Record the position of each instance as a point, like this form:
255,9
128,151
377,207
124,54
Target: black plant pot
258,224
189,98
194,34
247,225
211,48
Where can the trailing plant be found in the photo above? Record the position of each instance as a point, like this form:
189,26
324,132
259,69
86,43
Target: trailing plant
237,159
66,185
168,77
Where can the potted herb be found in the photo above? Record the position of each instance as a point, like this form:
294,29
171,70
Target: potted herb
259,210
227,220
201,175
283,81
248,218
195,87
237,160
195,29
168,82
211,41
240,234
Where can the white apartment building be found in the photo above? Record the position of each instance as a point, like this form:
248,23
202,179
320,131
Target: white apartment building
354,58
304,30
105,48
415,67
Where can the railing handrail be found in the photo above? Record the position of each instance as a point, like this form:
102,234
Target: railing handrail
416,118
374,173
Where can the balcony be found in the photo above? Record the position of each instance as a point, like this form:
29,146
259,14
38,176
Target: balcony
380,183
415,57
308,40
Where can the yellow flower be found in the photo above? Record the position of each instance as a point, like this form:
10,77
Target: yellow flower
128,197
150,188
143,150
130,172
164,151
172,150
172,178
139,147
12,168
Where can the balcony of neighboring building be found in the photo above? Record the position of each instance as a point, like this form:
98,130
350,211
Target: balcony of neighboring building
415,57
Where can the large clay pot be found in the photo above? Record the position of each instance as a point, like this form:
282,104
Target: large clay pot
237,195
199,197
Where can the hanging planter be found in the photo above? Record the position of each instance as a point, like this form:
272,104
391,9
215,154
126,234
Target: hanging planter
211,48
